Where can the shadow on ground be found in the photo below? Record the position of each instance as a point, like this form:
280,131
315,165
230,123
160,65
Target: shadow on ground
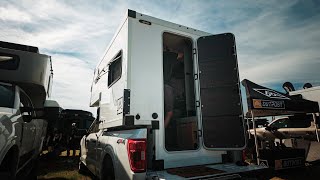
60,167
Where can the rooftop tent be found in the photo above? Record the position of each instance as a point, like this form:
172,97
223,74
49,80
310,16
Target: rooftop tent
264,101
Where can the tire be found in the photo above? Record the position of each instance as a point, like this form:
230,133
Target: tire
34,171
107,171
82,168
9,166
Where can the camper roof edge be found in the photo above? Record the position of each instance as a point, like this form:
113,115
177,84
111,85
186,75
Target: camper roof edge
136,15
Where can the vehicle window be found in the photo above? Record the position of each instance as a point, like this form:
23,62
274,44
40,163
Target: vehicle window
94,128
115,69
6,96
9,61
282,123
25,100
302,121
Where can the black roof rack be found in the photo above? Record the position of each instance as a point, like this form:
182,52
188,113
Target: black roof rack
20,47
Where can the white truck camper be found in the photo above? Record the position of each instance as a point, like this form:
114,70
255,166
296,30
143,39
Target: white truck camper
25,83
169,104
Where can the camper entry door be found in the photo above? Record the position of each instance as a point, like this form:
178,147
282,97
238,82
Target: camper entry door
221,107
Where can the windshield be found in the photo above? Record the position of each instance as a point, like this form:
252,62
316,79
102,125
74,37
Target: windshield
6,96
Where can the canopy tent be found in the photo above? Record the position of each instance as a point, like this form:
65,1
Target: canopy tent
263,102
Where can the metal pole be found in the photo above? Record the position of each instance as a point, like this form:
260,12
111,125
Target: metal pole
315,126
249,134
255,138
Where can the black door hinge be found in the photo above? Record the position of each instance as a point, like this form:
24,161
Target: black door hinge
194,51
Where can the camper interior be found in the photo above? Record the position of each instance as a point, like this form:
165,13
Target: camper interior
179,94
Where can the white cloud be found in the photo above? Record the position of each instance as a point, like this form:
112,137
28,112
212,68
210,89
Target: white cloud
10,13
269,50
71,82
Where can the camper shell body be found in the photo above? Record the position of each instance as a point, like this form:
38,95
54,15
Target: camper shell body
128,90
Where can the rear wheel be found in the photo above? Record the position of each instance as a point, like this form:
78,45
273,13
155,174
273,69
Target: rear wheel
9,165
82,168
107,171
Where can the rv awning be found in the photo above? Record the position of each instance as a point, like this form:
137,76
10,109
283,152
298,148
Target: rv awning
263,101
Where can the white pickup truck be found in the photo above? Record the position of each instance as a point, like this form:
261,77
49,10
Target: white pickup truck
25,77
204,132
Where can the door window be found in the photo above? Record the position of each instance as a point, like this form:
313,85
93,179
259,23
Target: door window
281,123
6,96
25,102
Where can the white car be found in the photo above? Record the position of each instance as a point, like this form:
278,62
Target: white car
287,127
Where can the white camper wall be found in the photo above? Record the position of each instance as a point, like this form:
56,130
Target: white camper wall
109,99
145,80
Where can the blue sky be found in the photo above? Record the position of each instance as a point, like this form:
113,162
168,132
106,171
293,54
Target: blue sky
277,41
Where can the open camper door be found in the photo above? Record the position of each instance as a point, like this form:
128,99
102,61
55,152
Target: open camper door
221,107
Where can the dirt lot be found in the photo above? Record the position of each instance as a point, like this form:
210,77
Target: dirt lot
60,168
65,168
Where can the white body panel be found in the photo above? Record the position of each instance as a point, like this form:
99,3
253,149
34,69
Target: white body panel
26,136
312,94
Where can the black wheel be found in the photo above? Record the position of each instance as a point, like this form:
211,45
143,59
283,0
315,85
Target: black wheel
82,168
33,173
9,165
107,171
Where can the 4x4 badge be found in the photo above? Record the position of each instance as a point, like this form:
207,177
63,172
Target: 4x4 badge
270,93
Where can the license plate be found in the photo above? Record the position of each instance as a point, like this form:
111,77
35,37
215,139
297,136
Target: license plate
288,163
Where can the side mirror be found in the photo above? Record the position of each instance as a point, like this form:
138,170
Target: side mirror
27,118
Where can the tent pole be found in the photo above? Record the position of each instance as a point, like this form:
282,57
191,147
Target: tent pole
255,137
315,125
248,131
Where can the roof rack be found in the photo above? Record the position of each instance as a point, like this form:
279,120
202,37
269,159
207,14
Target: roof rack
20,47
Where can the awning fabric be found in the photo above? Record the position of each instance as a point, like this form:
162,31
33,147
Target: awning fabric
263,101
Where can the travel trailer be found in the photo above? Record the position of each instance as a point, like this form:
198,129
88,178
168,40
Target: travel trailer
25,83
169,104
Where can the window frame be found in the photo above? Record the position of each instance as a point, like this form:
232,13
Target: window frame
117,57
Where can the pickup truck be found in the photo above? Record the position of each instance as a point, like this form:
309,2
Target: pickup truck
25,83
21,136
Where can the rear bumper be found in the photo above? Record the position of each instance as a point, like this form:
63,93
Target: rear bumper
228,171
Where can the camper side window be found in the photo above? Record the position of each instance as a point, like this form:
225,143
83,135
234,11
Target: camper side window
9,61
115,69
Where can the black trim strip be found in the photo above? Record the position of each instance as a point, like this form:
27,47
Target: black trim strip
132,13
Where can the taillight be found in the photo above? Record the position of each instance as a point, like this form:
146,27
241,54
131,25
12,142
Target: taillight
137,154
